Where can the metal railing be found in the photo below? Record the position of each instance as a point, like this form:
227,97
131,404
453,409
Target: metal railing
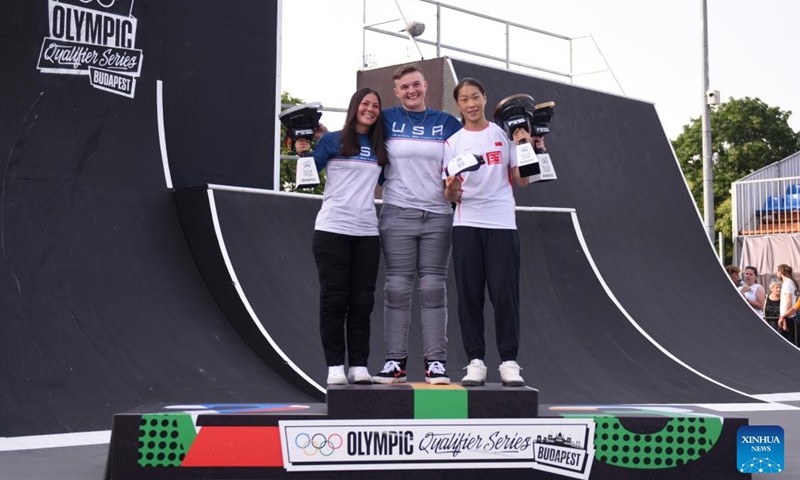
767,201
509,29
788,167
766,207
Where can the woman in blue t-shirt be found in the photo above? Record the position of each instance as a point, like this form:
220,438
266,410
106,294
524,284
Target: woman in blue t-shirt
346,243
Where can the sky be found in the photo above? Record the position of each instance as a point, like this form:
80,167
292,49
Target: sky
653,48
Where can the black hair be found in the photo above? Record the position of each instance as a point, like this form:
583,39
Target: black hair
351,145
468,81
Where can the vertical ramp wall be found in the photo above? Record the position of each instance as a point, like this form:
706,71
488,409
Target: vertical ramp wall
101,303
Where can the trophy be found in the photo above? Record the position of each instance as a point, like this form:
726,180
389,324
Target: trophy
519,111
301,121
466,162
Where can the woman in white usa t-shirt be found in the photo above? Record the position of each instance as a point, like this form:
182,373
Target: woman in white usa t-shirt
485,239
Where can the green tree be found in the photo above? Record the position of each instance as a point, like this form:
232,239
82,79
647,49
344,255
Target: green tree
746,134
288,166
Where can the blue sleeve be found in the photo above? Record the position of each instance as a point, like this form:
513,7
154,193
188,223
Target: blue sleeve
327,147
451,125
382,176
388,117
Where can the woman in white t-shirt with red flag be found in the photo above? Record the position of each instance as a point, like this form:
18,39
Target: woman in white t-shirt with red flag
485,239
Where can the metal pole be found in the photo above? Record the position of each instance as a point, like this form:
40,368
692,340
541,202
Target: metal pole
722,248
708,172
571,71
363,35
438,30
508,47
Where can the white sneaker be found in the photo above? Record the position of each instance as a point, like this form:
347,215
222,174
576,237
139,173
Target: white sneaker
476,374
359,375
509,373
336,375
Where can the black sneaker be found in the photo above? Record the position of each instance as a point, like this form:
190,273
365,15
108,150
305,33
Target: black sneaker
394,371
435,373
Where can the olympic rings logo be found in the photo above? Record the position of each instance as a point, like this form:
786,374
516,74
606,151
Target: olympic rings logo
318,443
110,3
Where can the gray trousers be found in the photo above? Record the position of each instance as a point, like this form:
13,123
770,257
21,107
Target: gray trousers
415,243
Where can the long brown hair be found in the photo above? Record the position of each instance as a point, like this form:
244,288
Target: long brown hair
786,272
351,146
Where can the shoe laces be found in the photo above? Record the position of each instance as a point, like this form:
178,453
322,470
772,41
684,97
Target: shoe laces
436,367
510,364
475,363
390,366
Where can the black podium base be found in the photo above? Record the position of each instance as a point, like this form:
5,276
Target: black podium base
422,432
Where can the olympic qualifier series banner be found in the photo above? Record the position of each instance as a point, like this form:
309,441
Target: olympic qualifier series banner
95,38
555,445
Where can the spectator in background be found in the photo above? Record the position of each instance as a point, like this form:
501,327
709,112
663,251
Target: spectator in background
772,304
788,296
753,292
734,272
789,319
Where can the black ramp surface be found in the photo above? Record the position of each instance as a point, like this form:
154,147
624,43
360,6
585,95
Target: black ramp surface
615,166
219,90
101,303
268,239
577,347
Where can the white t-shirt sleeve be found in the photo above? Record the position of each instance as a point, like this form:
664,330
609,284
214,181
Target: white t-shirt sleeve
449,154
512,152
787,288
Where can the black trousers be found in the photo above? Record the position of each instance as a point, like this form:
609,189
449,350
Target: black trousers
487,257
791,334
347,267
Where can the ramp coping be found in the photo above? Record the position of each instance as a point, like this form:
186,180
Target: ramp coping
237,285
587,253
261,191
162,137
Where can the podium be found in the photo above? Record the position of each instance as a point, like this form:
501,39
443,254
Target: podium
422,432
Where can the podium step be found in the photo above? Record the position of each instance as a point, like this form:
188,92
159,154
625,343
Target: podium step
285,441
423,401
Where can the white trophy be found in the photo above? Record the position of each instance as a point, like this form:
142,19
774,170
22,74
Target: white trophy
519,111
301,121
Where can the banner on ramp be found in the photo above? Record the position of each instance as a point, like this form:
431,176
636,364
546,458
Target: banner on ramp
95,38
